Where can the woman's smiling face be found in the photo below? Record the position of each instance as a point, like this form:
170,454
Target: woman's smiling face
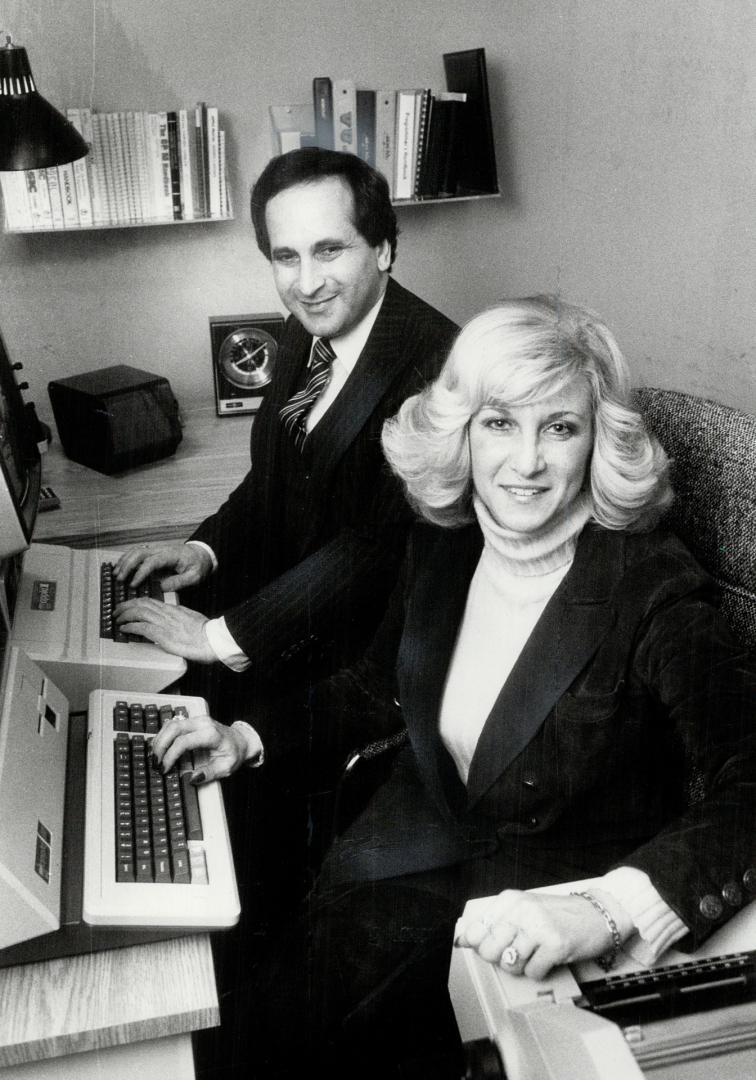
529,461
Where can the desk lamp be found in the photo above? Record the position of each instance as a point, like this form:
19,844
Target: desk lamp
33,134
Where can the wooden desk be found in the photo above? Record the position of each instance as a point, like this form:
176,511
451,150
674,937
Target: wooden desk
164,500
107,999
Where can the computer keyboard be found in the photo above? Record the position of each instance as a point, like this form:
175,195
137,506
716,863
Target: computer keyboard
113,592
156,815
156,848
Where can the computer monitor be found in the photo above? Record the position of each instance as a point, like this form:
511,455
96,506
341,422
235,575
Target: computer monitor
19,463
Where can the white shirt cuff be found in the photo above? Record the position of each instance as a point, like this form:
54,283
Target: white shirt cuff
208,549
223,645
658,926
255,752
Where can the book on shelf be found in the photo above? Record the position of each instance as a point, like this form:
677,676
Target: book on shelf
187,165
427,144
365,125
174,161
406,121
213,162
344,115
385,134
474,152
56,203
322,103
81,176
67,185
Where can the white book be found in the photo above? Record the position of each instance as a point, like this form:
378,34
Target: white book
213,161
345,115
115,170
67,183
186,164
222,178
81,175
165,189
38,198
15,202
102,210
56,203
385,135
154,165
133,182
143,181
405,142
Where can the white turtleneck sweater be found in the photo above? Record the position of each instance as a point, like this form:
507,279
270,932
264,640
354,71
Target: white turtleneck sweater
516,576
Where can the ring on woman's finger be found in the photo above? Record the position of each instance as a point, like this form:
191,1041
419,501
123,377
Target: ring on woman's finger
510,956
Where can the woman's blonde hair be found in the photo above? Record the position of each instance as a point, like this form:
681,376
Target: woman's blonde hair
514,353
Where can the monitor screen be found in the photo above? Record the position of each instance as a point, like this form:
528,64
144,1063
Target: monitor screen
19,463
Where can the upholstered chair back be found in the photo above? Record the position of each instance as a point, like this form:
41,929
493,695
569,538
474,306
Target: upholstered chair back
713,452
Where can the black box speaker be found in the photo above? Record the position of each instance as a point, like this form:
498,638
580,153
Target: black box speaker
115,418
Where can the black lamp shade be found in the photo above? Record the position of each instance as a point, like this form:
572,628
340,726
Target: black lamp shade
33,134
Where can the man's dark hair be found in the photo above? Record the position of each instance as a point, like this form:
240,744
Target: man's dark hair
374,216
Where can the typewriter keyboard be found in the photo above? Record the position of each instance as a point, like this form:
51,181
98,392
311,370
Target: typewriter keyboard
157,816
112,592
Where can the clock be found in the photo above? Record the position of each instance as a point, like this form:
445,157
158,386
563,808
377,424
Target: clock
244,349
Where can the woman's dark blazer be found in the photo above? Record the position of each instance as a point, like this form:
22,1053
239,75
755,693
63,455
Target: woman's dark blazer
624,735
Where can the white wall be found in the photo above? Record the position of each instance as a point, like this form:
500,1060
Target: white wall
625,137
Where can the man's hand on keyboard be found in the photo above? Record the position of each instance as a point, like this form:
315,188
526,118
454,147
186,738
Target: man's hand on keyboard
177,629
226,747
190,564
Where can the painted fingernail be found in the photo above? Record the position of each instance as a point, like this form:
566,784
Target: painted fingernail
198,778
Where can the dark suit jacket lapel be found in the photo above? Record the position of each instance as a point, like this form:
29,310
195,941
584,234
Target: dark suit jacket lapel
435,607
378,365
568,633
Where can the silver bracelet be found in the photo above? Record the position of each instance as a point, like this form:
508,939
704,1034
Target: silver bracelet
609,959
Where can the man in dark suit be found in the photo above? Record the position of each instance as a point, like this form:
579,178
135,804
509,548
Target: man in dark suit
290,577
302,556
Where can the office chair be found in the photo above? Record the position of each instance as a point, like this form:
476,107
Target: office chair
712,449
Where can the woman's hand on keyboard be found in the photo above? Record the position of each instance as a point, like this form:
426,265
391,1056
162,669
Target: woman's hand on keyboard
177,629
190,563
225,747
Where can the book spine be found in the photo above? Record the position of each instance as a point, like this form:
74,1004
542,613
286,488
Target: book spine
425,109
165,205
451,151
213,165
405,140
222,176
200,131
67,185
81,175
126,166
100,201
385,134
38,199
344,115
15,202
135,167
187,181
366,125
143,175
154,166
322,100
115,168
56,203
175,164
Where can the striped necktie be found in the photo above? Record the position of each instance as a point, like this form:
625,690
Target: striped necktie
295,410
